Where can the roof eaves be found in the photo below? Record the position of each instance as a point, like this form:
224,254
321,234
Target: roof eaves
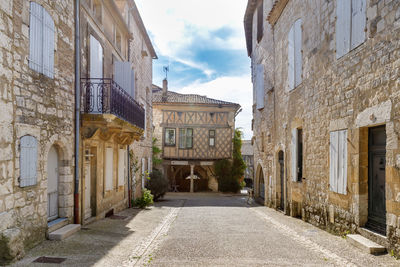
276,11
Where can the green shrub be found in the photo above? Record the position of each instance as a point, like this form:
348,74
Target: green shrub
144,201
157,184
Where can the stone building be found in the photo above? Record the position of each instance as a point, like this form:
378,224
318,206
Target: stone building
193,131
325,115
36,121
116,74
248,158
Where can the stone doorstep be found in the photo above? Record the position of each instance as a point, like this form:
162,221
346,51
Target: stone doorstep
377,238
365,244
64,232
56,224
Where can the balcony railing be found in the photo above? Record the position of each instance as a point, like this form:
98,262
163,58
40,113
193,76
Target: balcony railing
104,96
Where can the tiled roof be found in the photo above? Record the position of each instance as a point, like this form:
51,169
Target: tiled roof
173,97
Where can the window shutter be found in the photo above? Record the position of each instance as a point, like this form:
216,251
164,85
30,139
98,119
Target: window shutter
121,167
294,155
149,167
342,163
297,52
109,168
123,76
36,37
96,58
343,27
333,161
260,86
48,45
358,20
28,161
143,171
291,66
132,83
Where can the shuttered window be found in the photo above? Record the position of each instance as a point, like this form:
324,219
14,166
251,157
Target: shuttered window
109,168
350,25
121,166
149,167
338,162
259,86
295,61
124,76
297,155
28,161
143,172
41,41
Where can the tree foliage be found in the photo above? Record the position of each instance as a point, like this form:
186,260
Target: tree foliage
156,154
157,184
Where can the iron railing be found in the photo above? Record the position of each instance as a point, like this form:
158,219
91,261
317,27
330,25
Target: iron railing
105,96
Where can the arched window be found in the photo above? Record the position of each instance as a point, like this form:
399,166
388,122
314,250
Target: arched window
28,161
41,38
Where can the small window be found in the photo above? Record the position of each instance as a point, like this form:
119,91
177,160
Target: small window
28,161
170,138
186,138
211,138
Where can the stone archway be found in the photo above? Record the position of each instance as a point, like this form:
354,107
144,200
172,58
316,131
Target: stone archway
260,182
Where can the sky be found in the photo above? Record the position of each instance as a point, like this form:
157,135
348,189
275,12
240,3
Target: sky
203,43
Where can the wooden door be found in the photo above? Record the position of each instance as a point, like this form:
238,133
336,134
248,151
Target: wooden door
282,176
52,184
376,180
261,185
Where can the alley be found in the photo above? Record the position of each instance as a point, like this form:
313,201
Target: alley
205,229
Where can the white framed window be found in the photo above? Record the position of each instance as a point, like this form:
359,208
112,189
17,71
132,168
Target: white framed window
185,138
350,25
28,161
109,168
170,138
295,61
41,40
338,162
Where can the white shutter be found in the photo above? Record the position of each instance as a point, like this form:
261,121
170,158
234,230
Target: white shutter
358,20
143,171
36,37
260,86
298,63
294,155
333,161
149,167
96,58
342,166
123,75
343,27
121,167
132,83
291,66
48,45
109,168
28,161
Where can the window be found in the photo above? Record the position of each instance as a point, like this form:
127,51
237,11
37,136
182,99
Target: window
259,86
350,25
143,172
186,138
41,41
118,40
124,76
295,55
169,137
260,21
109,168
297,155
28,161
338,162
211,137
121,166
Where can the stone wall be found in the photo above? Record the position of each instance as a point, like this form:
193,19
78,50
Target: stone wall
33,104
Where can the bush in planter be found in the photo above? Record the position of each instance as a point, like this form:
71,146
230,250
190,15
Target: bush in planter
144,201
157,184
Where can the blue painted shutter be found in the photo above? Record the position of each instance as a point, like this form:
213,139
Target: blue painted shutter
291,74
48,45
358,20
260,86
298,62
36,37
294,155
343,27
28,161
333,161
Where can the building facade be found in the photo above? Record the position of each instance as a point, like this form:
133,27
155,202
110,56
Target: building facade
248,158
193,131
36,122
325,114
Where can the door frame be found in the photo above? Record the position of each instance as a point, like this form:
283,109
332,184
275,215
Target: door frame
51,218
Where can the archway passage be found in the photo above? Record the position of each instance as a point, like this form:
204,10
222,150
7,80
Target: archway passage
52,184
180,173
282,179
261,184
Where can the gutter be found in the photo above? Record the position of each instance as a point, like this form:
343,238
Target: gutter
77,111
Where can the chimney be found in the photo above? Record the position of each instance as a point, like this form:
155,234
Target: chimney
165,86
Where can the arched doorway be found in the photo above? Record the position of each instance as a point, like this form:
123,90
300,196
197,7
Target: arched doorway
261,183
52,183
282,179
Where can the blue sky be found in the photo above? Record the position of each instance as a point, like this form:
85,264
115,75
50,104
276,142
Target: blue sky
203,43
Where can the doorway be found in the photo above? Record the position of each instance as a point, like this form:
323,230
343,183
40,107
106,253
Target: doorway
282,179
52,184
261,184
90,170
376,180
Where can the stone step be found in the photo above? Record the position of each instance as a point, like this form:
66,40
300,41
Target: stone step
56,224
377,238
365,244
64,232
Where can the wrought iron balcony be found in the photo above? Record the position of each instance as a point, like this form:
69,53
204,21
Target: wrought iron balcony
104,96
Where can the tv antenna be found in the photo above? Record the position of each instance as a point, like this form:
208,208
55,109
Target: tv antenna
166,70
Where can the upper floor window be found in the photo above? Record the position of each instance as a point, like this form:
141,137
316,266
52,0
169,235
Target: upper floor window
260,21
28,160
169,137
350,25
295,55
41,41
186,138
211,137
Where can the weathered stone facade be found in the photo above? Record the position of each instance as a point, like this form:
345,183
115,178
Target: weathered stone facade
356,92
32,104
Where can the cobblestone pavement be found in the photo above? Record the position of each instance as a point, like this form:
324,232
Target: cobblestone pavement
204,230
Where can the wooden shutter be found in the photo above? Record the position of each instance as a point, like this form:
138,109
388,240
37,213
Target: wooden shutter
48,45
96,58
121,167
143,171
149,167
358,20
109,168
294,155
28,161
298,62
260,86
333,161
123,75
291,74
36,37
343,27
342,162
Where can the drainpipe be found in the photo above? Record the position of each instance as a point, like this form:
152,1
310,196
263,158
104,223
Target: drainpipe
77,111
